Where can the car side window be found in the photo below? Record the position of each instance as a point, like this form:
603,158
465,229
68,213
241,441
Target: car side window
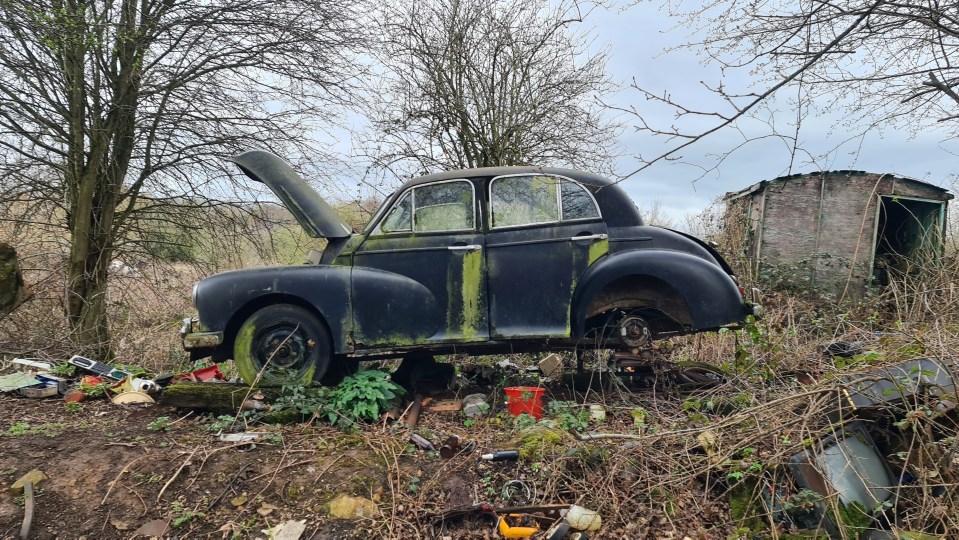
401,217
524,200
447,206
577,202
532,199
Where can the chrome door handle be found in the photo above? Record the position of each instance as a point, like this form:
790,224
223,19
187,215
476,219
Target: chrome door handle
467,247
590,237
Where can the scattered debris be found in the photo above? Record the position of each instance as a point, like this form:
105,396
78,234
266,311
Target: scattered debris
288,530
266,509
207,374
413,416
98,368
246,436
155,528
501,455
16,381
35,363
551,366
522,526
41,391
422,443
446,405
474,405
347,507
28,508
597,413
60,382
516,492
132,397
451,447
525,400
881,387
74,396
583,519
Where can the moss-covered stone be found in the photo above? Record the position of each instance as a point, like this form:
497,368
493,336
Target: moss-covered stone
538,442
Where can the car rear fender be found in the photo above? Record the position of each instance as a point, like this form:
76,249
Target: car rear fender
711,297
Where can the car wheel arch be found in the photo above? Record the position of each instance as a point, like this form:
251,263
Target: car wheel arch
640,291
687,277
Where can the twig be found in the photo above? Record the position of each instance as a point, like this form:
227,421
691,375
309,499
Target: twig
315,480
115,480
595,436
227,487
177,473
182,418
215,450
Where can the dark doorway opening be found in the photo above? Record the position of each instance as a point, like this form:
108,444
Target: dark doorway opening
907,234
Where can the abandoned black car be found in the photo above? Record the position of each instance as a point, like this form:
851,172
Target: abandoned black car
479,261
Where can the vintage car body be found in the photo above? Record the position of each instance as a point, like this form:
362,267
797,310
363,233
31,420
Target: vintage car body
477,261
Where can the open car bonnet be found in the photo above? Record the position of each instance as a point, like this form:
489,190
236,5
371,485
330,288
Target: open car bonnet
310,210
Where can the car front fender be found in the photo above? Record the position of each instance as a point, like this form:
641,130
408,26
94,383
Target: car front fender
224,301
386,304
710,294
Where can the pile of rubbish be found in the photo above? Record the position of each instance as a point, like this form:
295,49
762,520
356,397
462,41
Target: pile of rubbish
39,379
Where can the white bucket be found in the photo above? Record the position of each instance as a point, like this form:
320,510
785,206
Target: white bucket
583,519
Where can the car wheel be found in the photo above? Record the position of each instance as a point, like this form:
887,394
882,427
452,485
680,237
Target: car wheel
287,343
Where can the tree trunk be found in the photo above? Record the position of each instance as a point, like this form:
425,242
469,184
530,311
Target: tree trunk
12,290
96,173
87,297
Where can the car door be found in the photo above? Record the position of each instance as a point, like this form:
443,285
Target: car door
431,236
544,232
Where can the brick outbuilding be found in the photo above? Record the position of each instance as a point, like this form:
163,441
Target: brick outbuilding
837,231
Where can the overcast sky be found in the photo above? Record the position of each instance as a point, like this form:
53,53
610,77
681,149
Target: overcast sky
636,39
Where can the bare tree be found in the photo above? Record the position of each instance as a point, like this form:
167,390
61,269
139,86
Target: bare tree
475,83
113,112
870,63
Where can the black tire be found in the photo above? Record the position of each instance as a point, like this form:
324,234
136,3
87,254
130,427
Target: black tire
286,342
700,373
558,531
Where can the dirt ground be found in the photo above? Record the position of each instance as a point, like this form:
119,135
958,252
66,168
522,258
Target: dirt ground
114,468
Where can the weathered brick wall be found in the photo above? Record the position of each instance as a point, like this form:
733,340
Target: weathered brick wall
820,229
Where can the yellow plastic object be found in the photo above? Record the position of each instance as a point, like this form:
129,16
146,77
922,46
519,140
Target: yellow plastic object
515,532
132,397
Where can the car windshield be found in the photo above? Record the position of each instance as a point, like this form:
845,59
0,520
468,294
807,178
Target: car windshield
376,215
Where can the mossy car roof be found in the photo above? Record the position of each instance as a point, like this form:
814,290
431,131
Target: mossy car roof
617,207
483,172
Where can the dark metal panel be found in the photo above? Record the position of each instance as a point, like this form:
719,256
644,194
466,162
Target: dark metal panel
448,269
391,309
311,211
532,273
